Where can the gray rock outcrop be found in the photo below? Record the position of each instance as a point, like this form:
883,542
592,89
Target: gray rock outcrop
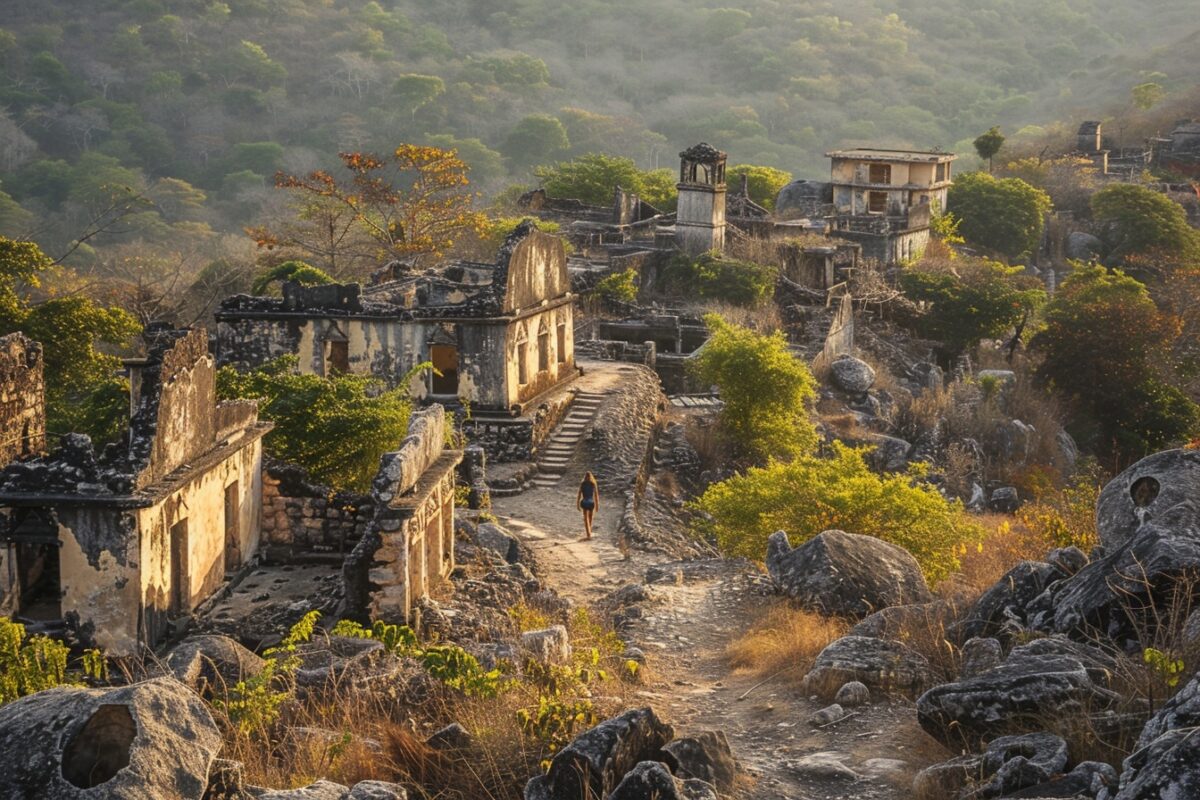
851,375
705,756
652,779
844,573
153,740
881,665
211,663
598,759
1162,482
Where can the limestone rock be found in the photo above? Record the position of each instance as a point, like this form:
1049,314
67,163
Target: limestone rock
1005,602
598,759
499,541
707,757
451,737
1004,500
826,716
211,663
879,664
826,765
1164,481
894,621
548,646
890,454
803,198
1083,246
852,694
1017,697
851,375
652,779
153,740
845,574
980,655
321,790
377,790
1017,762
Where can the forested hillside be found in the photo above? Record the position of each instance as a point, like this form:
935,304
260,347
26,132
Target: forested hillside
199,102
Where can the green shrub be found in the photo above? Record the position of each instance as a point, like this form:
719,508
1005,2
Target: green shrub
621,286
765,390
29,665
254,704
814,494
742,283
336,428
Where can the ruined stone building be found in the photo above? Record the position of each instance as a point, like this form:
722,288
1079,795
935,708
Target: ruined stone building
118,545
883,199
501,336
700,216
22,399
409,548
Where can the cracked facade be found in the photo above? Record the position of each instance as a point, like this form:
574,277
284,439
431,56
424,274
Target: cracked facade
117,546
501,335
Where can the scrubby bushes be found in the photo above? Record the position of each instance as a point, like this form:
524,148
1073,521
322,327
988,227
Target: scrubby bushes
765,389
712,277
31,664
813,494
336,428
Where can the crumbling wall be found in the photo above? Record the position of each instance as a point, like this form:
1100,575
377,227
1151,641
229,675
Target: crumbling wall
247,343
840,339
526,334
532,268
300,516
22,398
409,547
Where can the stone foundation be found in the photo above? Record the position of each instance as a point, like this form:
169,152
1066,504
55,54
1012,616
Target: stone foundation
300,516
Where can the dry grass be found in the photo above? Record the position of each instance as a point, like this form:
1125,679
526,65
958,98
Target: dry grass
784,638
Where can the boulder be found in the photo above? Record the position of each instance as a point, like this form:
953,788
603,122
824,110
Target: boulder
1162,482
826,716
1019,696
890,454
1003,606
377,790
1016,762
1083,246
852,693
499,541
897,621
211,663
153,740
1087,780
980,655
321,790
548,646
1004,500
1167,767
1002,377
652,779
879,664
927,375
803,198
598,759
851,375
844,573
451,737
707,757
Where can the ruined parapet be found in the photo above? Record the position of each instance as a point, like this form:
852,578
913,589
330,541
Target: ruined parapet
22,399
409,547
530,267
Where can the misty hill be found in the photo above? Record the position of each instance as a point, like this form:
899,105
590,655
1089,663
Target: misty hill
222,94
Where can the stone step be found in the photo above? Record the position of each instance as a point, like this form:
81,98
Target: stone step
547,480
553,469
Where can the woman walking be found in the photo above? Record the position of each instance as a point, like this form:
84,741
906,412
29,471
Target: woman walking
588,500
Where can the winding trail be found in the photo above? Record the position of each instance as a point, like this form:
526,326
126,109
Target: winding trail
685,630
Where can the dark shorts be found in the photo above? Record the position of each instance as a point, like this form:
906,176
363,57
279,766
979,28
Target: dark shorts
587,505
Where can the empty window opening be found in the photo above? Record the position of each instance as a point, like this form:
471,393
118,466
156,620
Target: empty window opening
562,343
26,444
339,357
100,750
445,361
877,202
181,600
1143,491
881,173
233,515
543,350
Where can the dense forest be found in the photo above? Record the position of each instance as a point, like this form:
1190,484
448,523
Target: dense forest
195,104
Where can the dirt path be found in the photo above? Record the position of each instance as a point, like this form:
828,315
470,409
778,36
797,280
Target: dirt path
685,631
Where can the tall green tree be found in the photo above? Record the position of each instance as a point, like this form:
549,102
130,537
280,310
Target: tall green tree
83,391
988,144
975,300
1005,216
1104,348
763,183
336,428
1136,221
766,390
536,139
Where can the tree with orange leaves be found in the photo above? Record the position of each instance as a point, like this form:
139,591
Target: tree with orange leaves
412,203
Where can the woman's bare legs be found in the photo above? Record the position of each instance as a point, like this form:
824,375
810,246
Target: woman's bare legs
587,522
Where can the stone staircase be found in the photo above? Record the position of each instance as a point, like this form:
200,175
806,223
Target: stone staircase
555,457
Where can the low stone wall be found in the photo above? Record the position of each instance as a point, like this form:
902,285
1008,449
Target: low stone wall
300,516
508,439
613,350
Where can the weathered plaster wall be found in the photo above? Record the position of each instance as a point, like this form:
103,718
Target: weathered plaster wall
22,398
537,271
201,502
524,334
100,587
183,410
